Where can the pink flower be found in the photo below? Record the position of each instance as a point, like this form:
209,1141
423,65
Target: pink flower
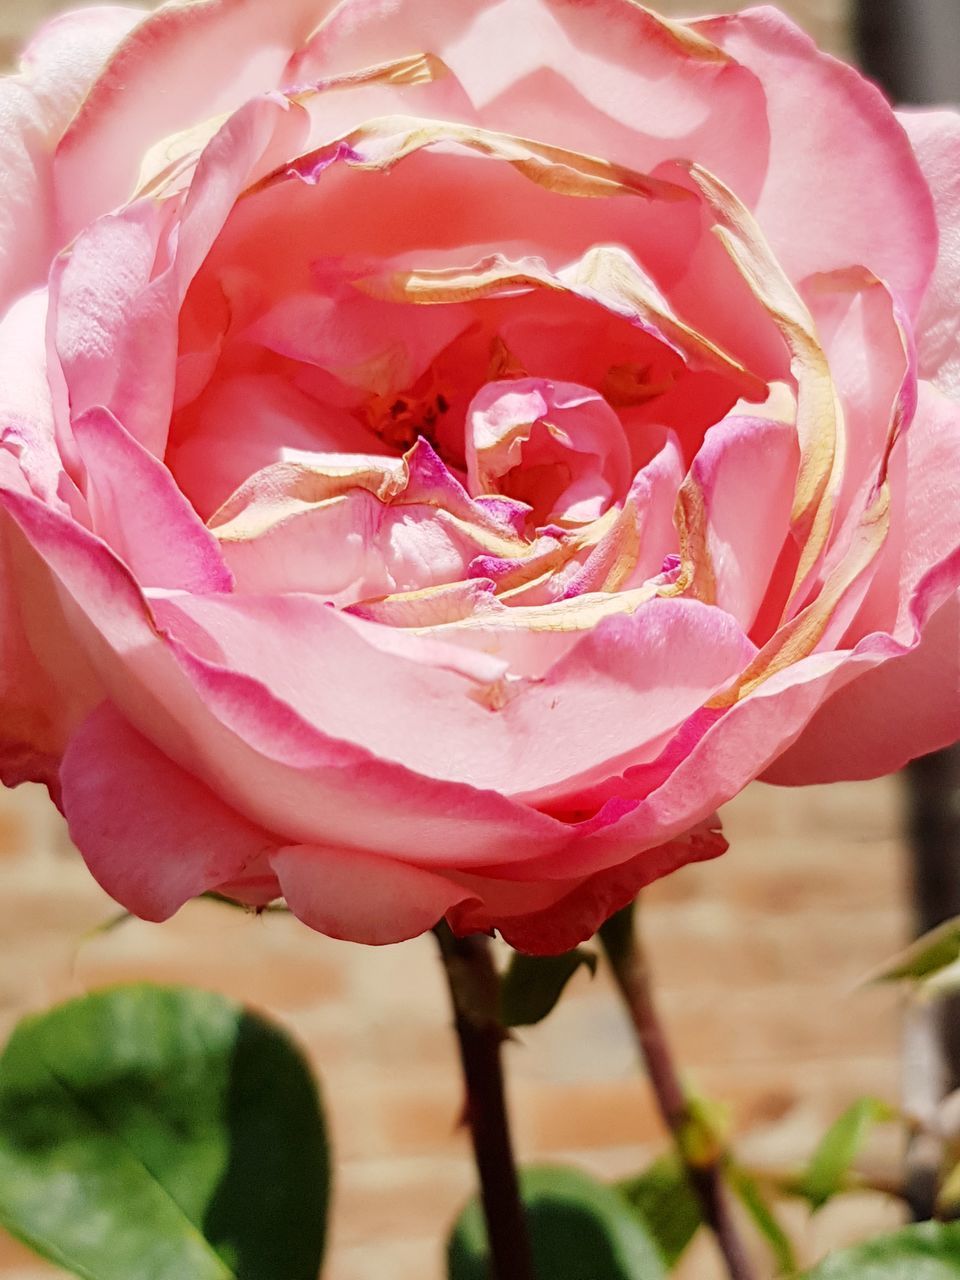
447,450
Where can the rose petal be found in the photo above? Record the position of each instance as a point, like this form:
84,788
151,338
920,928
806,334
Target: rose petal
904,708
616,695
524,432
162,837
935,137
64,58
347,893
836,152
924,534
611,79
218,53
229,730
114,322
57,68
141,514
572,913
46,685
244,423
115,296
745,476
26,414
868,343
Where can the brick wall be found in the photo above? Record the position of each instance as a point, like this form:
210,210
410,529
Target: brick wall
757,957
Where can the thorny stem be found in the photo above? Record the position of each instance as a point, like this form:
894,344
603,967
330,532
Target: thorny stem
703,1165
474,984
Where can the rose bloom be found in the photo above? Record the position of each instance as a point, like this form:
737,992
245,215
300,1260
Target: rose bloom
448,449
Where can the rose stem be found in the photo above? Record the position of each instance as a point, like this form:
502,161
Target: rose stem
474,985
626,958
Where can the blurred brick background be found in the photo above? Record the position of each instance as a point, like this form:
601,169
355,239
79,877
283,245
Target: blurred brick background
757,957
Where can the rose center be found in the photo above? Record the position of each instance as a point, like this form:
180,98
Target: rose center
557,446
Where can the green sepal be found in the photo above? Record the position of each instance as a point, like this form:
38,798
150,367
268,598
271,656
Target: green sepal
532,985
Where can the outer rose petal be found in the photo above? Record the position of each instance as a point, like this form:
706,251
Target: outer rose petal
837,154
547,918
56,70
172,839
26,411
218,53
615,696
908,706
66,55
717,755
168,838
935,136
229,730
363,897
162,837
45,684
924,531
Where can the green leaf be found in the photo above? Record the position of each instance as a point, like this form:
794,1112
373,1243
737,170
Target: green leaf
753,1200
162,1133
580,1229
666,1203
936,950
532,985
928,1252
948,1196
704,1134
830,1164
111,923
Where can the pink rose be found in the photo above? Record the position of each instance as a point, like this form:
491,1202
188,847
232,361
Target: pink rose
446,450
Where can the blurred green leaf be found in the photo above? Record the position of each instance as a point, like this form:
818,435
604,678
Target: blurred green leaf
928,1252
162,1133
755,1202
580,1229
666,1203
111,923
948,1196
705,1134
944,982
830,1164
532,985
939,949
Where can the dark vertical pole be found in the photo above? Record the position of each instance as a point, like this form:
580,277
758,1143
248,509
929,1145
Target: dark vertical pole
912,48
933,824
